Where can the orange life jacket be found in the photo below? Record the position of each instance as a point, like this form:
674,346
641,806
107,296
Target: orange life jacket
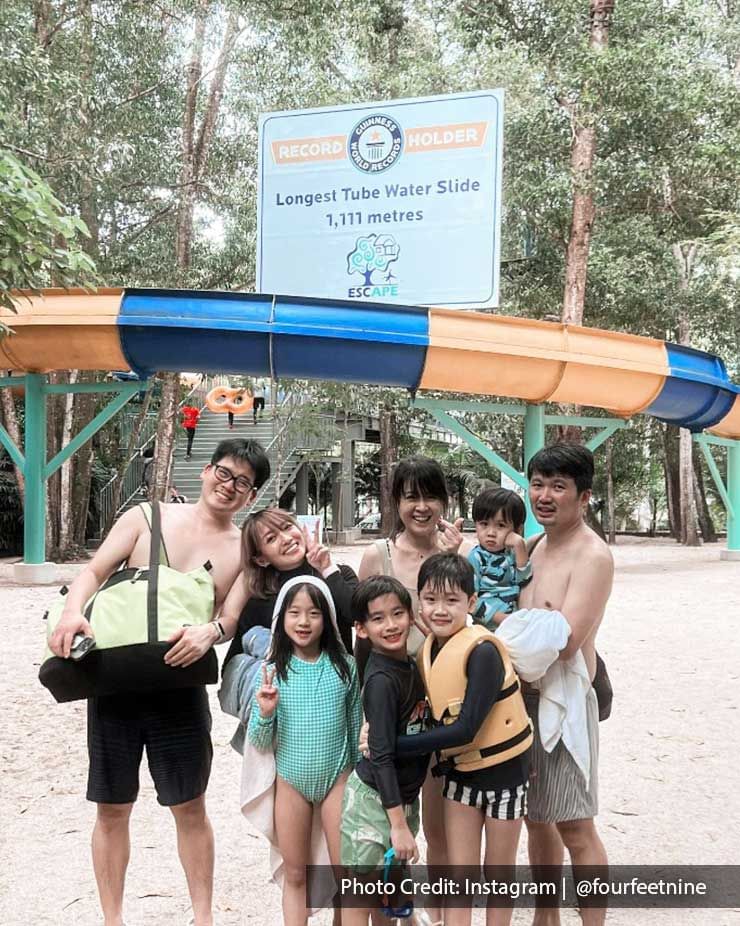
507,730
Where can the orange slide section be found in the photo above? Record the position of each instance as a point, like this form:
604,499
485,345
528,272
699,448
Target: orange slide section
542,362
81,326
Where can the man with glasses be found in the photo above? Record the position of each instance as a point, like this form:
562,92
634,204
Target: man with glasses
175,725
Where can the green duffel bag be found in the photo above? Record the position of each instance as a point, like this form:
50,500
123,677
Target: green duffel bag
132,615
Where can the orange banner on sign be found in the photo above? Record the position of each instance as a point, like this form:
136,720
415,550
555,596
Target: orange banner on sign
439,137
302,150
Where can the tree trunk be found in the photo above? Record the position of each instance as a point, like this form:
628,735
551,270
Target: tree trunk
54,423
611,523
689,531
672,479
706,522
166,435
65,492
194,158
133,440
84,411
10,419
388,457
684,255
582,152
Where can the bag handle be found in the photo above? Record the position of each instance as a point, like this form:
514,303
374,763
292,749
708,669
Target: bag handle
153,583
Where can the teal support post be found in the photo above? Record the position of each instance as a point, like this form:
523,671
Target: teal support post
13,452
733,490
475,443
730,493
534,440
34,515
125,391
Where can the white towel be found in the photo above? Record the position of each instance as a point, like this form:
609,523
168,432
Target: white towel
534,638
257,799
562,712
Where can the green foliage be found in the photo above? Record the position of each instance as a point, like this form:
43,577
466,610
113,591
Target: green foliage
39,241
93,95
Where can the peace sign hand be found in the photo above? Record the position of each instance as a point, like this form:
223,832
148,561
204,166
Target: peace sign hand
267,695
317,555
450,536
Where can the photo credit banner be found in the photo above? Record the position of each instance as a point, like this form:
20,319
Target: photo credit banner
390,202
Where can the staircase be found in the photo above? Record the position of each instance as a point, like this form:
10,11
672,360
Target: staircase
212,429
287,441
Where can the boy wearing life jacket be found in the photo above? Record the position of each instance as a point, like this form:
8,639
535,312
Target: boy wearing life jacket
484,733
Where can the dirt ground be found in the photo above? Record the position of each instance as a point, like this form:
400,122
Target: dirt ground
669,789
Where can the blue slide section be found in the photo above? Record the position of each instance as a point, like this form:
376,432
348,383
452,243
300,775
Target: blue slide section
172,331
216,332
350,342
698,393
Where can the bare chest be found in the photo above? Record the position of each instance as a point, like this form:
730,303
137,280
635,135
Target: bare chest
189,547
549,585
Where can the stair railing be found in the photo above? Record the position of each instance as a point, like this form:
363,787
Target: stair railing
134,472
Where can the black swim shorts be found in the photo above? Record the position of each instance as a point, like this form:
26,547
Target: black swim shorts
173,726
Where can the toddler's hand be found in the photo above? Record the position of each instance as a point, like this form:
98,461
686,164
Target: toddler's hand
514,541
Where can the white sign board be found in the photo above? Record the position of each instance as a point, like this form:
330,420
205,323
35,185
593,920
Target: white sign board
394,202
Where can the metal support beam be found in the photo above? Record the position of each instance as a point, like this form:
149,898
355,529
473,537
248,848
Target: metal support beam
535,421
13,452
534,441
489,455
126,393
133,386
716,475
730,492
453,405
598,439
33,463
34,513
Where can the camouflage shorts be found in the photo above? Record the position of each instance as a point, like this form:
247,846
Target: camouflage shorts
366,830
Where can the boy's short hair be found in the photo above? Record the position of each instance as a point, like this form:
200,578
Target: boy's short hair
375,587
488,503
447,571
246,451
565,459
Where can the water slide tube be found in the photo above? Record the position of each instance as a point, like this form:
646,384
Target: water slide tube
390,345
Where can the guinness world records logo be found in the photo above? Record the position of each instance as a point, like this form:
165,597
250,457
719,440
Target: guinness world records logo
375,143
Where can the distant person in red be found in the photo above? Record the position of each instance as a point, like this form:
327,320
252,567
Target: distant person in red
190,416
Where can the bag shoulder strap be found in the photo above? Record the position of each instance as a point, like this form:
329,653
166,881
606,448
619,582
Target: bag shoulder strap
155,548
147,511
536,540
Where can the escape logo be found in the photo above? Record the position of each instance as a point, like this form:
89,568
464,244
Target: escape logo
373,254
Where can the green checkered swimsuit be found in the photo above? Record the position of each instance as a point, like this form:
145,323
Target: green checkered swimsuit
315,728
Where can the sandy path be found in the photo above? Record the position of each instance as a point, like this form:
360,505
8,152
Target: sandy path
669,777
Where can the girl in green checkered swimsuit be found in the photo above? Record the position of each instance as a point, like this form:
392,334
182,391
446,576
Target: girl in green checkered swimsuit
307,708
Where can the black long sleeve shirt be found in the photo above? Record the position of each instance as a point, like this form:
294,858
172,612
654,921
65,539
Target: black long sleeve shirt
392,700
485,672
257,612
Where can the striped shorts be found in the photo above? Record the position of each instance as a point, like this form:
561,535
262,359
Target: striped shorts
505,804
558,792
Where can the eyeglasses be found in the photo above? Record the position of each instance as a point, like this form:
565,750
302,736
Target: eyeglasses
223,474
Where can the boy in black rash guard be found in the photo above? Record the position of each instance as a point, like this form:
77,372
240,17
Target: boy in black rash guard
381,799
485,734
